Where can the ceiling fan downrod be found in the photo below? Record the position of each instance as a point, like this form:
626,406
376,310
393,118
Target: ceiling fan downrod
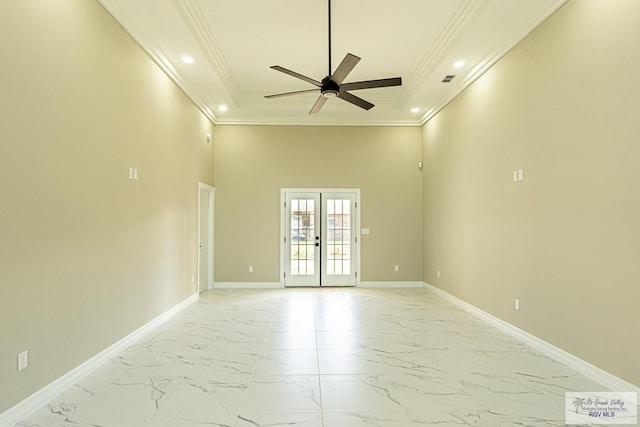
329,20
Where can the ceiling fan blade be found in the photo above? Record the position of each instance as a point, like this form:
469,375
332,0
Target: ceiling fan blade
345,68
297,75
299,92
368,84
318,105
346,96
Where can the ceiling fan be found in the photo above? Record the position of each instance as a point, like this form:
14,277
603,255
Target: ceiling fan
332,85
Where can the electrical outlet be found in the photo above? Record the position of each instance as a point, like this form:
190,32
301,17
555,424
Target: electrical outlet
516,304
438,274
251,269
396,268
23,360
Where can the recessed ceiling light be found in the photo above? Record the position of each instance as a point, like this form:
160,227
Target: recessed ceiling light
187,59
415,109
459,63
223,108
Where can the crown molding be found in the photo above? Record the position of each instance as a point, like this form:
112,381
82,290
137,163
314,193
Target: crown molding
196,21
457,25
248,99
120,14
279,121
193,17
489,61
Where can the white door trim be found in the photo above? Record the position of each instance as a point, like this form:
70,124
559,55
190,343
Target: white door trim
283,225
212,192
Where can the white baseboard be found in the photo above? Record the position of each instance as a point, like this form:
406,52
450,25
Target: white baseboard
40,398
404,284
601,376
277,285
247,285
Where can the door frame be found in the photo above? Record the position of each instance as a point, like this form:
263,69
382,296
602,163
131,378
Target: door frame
283,225
212,192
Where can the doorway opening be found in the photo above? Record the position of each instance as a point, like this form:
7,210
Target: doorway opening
205,236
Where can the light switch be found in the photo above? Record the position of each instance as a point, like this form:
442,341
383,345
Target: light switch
365,231
23,360
520,174
515,176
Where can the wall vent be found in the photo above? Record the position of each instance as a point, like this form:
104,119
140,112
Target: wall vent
448,78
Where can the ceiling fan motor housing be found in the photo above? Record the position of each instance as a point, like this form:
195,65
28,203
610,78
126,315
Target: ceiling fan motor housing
329,89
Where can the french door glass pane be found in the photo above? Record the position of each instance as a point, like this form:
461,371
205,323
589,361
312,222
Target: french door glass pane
339,237
302,238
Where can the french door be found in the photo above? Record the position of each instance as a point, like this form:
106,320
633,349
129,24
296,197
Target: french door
320,239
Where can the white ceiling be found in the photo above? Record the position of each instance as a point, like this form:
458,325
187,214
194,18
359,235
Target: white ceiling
234,43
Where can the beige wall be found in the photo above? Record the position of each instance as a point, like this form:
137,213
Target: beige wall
563,106
254,162
87,255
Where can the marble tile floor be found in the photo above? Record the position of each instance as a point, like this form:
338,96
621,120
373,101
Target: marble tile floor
321,358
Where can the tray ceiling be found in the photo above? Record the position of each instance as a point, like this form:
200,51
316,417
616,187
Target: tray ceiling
233,44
